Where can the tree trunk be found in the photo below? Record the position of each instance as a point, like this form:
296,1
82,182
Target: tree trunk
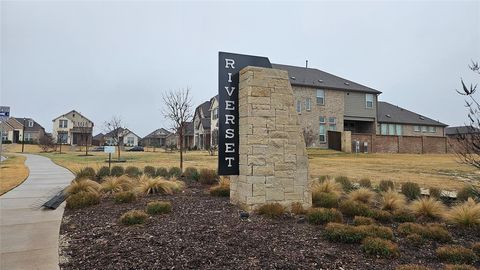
118,154
86,145
181,148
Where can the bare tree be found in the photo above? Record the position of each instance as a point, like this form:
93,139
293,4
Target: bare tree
178,110
467,145
46,142
309,136
86,134
114,128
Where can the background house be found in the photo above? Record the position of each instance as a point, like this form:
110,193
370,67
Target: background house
214,121
98,139
72,128
13,130
201,125
188,137
157,138
124,136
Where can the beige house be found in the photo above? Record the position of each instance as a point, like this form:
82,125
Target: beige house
122,135
72,128
214,121
201,126
13,130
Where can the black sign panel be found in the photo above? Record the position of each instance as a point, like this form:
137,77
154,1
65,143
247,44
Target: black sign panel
229,66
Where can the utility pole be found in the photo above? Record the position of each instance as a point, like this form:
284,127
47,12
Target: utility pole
23,135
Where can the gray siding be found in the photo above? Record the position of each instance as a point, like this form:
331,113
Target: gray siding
355,105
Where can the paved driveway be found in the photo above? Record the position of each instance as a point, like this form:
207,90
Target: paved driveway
29,234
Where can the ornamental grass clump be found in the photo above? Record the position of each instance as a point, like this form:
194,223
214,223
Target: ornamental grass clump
125,197
337,232
428,208
456,254
222,189
174,172
83,185
191,174
117,171
133,172
359,220
149,171
415,240
85,173
391,200
319,216
351,208
103,172
411,190
382,215
297,209
347,185
207,177
149,185
328,186
324,199
466,214
459,267
133,217
112,185
430,231
467,192
386,185
379,247
161,172
412,267
82,199
362,195
271,210
365,182
435,192
476,248
158,207
403,215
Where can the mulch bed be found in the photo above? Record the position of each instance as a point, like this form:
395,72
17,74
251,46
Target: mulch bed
205,232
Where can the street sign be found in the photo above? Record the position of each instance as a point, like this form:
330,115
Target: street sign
109,149
4,113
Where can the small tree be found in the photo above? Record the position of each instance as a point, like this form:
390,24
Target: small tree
114,129
178,110
86,132
46,142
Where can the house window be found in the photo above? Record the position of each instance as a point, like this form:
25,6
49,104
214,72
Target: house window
432,129
215,113
391,129
62,137
308,104
299,106
322,120
332,123
424,128
398,130
322,132
369,100
28,137
383,129
30,123
320,97
416,128
4,135
63,123
130,140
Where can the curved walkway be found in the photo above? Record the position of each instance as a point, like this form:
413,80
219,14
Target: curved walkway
29,234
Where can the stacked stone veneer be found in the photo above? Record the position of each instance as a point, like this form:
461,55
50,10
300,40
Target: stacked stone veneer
273,157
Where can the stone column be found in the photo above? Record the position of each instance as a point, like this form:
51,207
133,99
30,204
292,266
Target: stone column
273,156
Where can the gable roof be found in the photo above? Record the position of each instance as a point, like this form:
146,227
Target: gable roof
461,130
204,108
212,102
121,131
389,113
206,123
317,78
72,111
99,136
158,133
36,126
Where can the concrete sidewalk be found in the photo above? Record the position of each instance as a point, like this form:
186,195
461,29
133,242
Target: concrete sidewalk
29,234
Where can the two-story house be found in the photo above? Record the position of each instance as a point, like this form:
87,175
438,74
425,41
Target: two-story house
72,128
327,102
202,125
16,129
214,121
122,136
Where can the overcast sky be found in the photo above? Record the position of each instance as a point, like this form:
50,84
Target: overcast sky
116,58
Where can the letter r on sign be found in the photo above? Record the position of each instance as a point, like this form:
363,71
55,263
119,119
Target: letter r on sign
229,62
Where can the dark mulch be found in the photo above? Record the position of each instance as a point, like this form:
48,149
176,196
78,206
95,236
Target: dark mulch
205,232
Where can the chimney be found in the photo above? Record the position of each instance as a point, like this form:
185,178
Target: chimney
306,63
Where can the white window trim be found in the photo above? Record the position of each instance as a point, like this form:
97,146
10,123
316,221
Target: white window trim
299,106
366,101
322,97
324,119
308,104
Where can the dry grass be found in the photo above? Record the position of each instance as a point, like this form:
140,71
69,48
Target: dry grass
149,185
222,189
428,207
328,186
466,214
363,195
392,201
12,172
84,185
113,184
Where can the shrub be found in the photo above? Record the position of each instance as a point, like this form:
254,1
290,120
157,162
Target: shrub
351,209
161,172
82,199
149,171
271,210
456,254
174,172
323,199
391,200
191,174
345,182
412,267
362,195
359,220
430,231
327,186
459,267
386,185
117,171
382,215
365,182
125,197
336,232
207,177
133,217
403,215
411,190
103,172
466,214
222,189
379,247
435,192
427,207
85,185
116,184
85,173
415,240
158,207
297,208
465,193
323,178
319,216
476,248
133,172
149,185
